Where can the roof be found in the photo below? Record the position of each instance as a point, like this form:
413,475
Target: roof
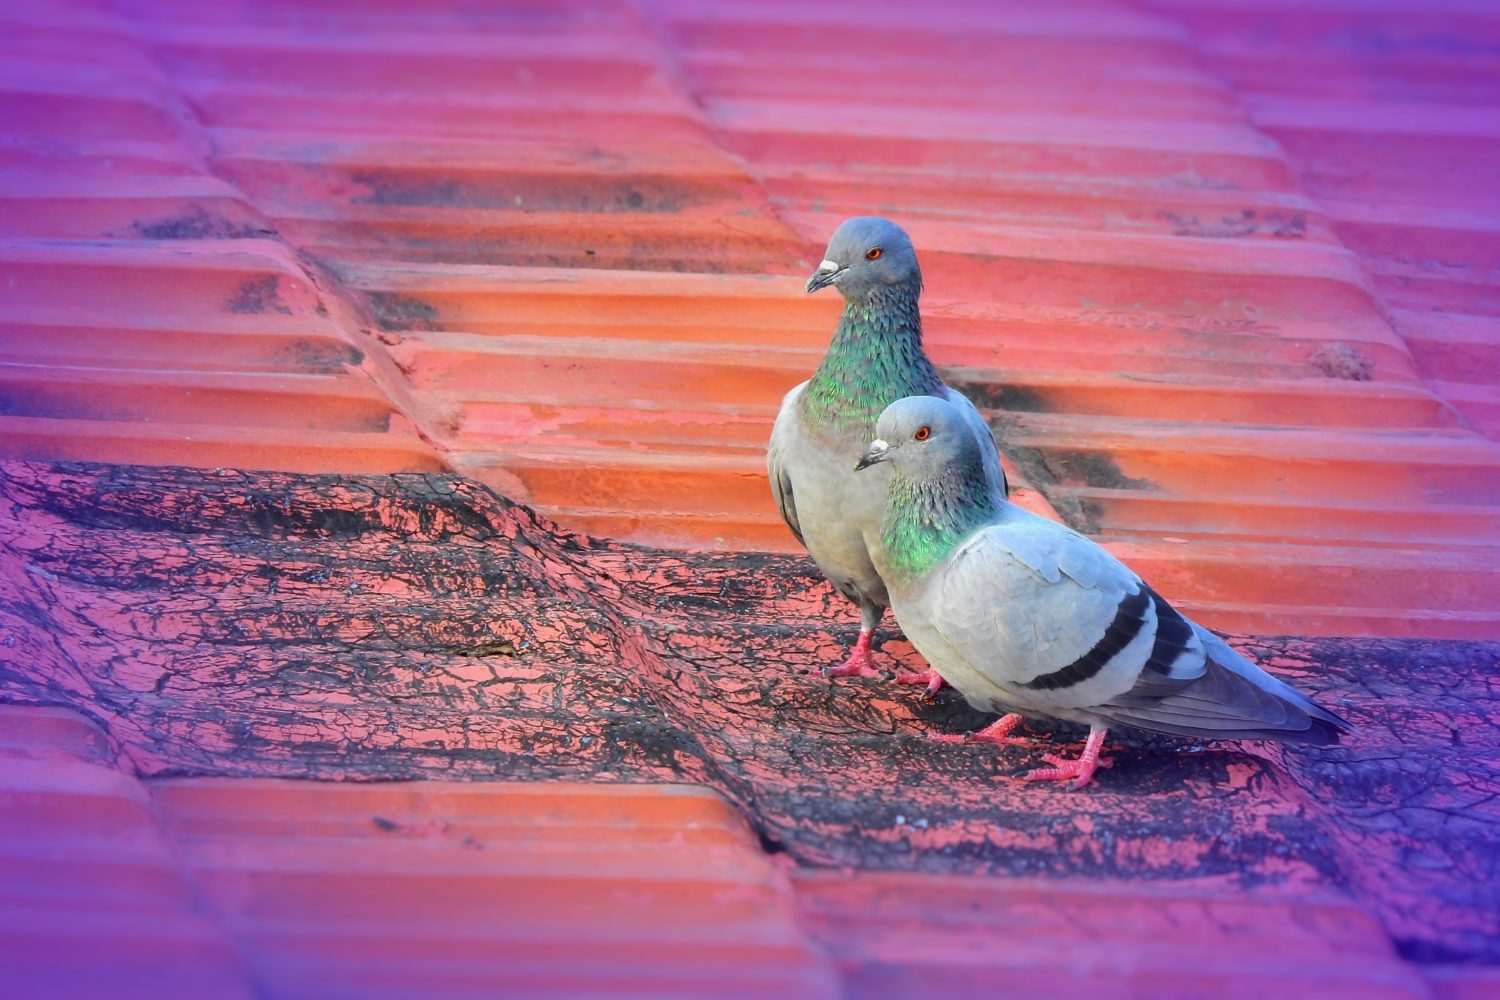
294,300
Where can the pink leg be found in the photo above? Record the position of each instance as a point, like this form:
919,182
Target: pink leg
996,733
929,677
859,663
1080,770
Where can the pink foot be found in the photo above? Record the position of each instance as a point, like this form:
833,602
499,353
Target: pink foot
929,677
996,733
1081,771
858,664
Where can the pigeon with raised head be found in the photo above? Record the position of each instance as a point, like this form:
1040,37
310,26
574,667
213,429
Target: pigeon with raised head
874,359
1027,617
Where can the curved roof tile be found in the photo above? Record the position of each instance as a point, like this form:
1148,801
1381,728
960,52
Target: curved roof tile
1221,273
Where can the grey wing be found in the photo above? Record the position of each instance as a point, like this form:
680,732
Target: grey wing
989,448
1085,637
1212,692
778,464
1043,614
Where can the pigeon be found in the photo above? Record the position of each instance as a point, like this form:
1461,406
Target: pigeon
1025,616
875,358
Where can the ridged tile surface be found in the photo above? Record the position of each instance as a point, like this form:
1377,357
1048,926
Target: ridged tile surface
382,628
280,888
1176,251
1222,273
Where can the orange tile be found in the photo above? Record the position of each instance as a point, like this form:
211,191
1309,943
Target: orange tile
505,232
1222,273
896,934
92,899
450,889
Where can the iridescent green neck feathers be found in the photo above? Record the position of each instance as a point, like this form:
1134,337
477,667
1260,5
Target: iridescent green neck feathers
875,359
926,519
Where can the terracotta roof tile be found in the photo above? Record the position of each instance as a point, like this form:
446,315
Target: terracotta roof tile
94,898
1222,273
197,887
1109,277
897,935
180,886
448,889
1388,116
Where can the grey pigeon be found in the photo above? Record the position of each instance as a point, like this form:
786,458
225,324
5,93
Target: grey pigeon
1025,616
875,358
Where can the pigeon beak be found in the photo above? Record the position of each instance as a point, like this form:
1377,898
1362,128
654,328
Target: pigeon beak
879,452
824,276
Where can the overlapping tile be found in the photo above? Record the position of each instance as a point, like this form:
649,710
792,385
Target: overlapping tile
185,887
94,901
1221,272
232,888
1160,315
151,314
443,889
900,935
1158,305
422,627
1389,118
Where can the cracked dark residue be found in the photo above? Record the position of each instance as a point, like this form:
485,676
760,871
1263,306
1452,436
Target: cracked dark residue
300,614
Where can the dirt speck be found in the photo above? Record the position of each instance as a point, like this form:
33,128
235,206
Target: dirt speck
1344,361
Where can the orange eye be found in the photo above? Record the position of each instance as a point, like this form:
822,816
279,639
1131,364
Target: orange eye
923,433
873,254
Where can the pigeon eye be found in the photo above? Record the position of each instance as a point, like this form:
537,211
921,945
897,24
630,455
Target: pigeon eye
923,433
873,253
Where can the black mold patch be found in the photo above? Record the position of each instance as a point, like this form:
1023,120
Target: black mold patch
1249,222
1005,397
320,355
1089,514
543,193
258,296
396,312
197,223
1047,469
1003,400
1094,469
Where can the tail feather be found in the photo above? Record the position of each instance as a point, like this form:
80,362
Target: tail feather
1233,699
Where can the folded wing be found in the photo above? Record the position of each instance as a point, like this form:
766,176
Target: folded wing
776,462
1058,625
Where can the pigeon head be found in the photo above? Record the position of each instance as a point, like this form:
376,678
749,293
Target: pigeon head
924,437
866,254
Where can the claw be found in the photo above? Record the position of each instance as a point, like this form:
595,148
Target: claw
1080,771
858,664
930,677
996,733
